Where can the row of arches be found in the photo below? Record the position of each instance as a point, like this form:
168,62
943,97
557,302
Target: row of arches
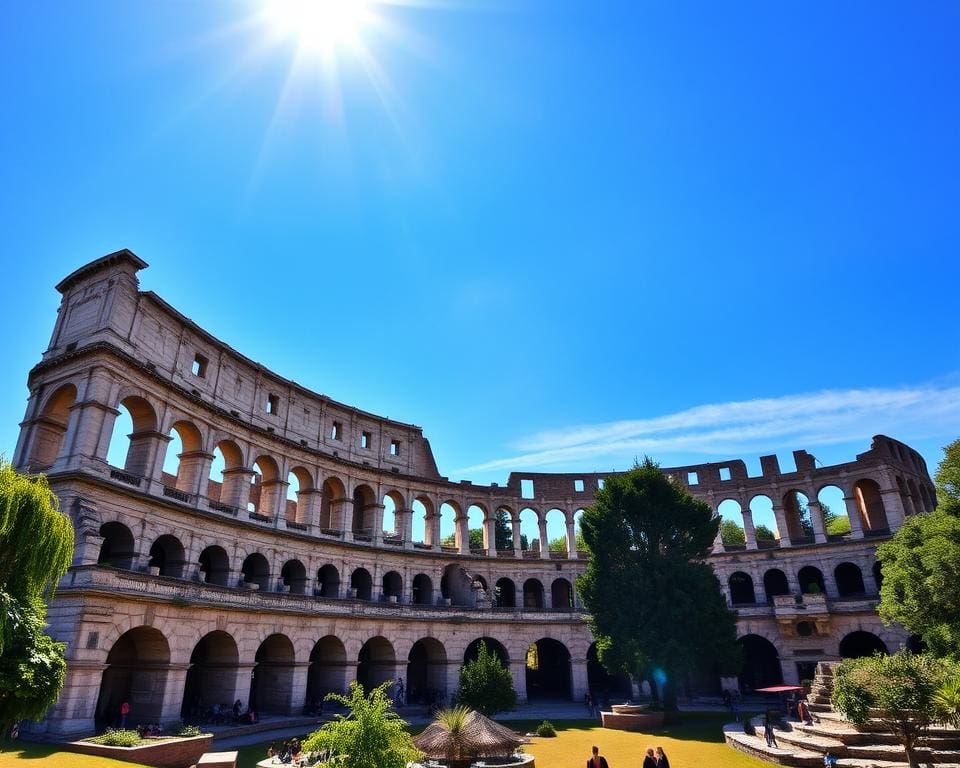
167,558
847,579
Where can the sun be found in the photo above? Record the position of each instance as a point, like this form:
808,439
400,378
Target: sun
318,27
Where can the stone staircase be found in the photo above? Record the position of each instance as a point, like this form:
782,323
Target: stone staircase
865,746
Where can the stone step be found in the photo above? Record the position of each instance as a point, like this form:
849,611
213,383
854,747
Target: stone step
820,744
756,746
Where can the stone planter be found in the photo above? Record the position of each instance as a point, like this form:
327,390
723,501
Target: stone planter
165,753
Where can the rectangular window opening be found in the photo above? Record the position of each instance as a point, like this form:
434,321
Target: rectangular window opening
336,431
273,404
692,478
199,367
365,439
724,473
526,489
578,486
600,483
394,447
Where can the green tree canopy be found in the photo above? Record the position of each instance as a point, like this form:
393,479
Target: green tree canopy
764,533
503,530
652,599
486,684
947,479
731,534
370,735
476,539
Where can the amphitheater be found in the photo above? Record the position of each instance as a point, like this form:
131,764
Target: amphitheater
297,545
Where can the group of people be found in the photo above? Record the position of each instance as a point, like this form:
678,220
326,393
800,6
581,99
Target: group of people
655,758
287,753
219,714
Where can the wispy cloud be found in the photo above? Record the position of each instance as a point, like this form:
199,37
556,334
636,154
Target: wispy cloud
805,420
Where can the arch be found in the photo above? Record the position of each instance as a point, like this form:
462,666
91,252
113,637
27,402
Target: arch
294,577
328,581
331,515
422,524
256,570
138,423
761,663
215,566
167,555
393,507
858,644
602,683
493,646
548,670
227,477
775,583
376,663
797,514
529,529
422,590
506,593
271,682
299,481
212,677
503,528
364,508
117,549
426,672
449,512
327,670
741,589
764,521
533,594
811,580
836,521
392,586
561,594
361,584
476,517
916,500
456,585
263,482
555,524
577,531
182,456
51,428
873,515
849,580
136,673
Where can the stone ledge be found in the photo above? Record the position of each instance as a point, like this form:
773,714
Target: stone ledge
168,753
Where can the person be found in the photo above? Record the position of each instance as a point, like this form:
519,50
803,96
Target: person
124,711
829,760
735,709
598,760
237,709
768,731
662,761
271,750
650,760
399,692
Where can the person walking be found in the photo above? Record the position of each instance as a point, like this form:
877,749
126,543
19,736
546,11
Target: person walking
768,731
124,711
597,760
662,761
650,761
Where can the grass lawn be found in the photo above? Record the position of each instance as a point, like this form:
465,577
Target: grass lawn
694,743
24,755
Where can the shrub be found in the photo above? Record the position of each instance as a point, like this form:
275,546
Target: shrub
117,738
546,729
486,685
186,731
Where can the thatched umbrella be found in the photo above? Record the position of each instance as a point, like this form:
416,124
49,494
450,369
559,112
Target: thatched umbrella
459,735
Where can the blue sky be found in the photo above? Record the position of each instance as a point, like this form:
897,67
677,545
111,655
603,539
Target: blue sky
550,233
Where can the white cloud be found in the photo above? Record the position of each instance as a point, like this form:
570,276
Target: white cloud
818,418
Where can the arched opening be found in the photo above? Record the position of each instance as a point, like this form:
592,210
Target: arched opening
506,593
427,672
529,530
361,584
228,477
264,488
215,566
797,513
327,671
136,673
294,577
878,574
183,458
364,509
556,526
117,549
849,579
764,522
603,684
331,503
393,506
811,581
578,533
533,594
137,423
50,428
392,587
299,489
212,677
873,515
328,582
421,526
271,683
741,589
775,583
477,531
503,529
376,663
732,532
449,531
167,556
493,646
836,522
456,585
548,670
422,593
256,570
858,644
561,595
761,663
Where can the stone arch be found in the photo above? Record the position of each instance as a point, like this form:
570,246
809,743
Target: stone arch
215,566
761,663
331,515
422,524
493,646
503,528
873,515
361,584
548,670
136,672
51,428
183,456
797,514
263,484
422,592
849,580
533,594
855,645
426,672
327,671
293,575
551,515
118,549
394,506
449,513
729,510
506,593
328,581
256,570
764,521
392,587
775,583
212,677
561,594
376,662
476,518
836,521
916,500
456,585
168,556
299,488
228,474
741,589
137,455
529,529
271,683
364,507
811,580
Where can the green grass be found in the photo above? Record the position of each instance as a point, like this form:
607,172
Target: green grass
21,754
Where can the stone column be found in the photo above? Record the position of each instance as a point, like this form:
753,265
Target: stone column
173,693
241,683
463,533
145,456
235,491
544,542
749,530
490,527
781,516
82,438
298,693
518,668
578,679
515,526
273,499
404,519
571,538
435,530
342,510
853,514
816,517
308,507
892,506
377,533
194,472
759,591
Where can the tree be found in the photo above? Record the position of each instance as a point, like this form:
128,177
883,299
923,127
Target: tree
653,601
764,533
502,530
476,539
731,534
834,524
921,567
486,684
901,690
36,545
370,735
